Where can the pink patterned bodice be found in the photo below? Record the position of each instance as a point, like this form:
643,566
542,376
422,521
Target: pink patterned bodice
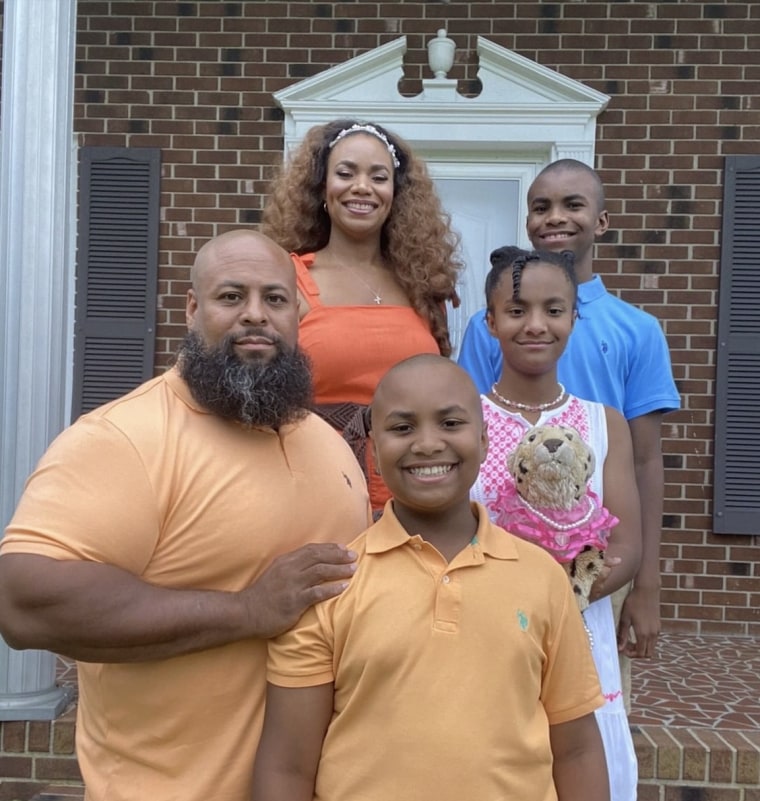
495,487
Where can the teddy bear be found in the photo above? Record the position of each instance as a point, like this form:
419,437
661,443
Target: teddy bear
554,505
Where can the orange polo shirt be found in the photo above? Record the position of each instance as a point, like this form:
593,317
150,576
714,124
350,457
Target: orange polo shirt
158,486
447,675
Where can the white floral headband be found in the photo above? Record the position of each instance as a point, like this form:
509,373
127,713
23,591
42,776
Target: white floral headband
370,129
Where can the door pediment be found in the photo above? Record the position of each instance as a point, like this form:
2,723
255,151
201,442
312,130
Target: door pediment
522,104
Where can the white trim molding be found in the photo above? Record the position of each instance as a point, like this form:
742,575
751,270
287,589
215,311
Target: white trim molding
36,246
524,110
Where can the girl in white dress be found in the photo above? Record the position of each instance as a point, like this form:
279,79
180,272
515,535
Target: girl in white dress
531,300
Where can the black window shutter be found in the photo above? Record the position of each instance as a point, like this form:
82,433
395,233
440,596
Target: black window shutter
117,272
736,504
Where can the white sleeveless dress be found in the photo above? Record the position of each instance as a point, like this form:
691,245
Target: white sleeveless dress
505,430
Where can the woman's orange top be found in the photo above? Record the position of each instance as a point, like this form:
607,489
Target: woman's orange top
352,347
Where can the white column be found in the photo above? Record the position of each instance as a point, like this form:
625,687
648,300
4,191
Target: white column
35,282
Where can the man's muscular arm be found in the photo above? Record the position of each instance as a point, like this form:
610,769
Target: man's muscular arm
96,612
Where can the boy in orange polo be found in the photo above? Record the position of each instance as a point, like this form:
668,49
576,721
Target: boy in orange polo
456,664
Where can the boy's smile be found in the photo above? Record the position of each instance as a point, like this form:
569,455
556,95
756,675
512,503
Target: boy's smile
431,470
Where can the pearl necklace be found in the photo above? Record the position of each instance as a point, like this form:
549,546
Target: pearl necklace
529,407
562,526
588,630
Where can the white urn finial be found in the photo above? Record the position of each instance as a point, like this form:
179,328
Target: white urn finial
441,54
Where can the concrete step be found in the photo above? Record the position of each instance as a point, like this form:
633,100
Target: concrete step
60,792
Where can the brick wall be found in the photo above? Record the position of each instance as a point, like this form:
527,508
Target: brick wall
683,764
196,79
35,753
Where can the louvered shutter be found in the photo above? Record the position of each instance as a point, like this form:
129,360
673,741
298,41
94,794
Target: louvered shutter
117,272
736,506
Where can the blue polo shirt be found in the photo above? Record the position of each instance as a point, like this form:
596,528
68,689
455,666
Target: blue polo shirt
617,354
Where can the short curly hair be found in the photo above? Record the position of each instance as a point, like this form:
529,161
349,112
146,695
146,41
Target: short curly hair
416,240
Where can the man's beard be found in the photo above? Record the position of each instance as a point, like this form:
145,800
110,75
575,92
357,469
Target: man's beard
254,393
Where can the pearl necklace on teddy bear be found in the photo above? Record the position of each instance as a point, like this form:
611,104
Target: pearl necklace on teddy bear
563,526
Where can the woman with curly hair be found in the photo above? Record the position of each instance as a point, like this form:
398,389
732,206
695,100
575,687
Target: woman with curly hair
376,262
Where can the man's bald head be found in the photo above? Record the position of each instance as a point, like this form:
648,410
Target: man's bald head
232,244
424,369
243,281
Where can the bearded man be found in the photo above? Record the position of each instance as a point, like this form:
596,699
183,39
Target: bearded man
166,535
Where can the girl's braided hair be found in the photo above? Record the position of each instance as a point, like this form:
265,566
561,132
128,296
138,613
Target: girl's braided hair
515,259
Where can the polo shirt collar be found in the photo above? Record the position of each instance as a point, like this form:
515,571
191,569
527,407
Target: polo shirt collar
180,388
388,533
592,290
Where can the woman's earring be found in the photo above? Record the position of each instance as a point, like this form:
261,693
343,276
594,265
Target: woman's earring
324,206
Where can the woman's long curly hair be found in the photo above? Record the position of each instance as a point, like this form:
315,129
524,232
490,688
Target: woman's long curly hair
416,240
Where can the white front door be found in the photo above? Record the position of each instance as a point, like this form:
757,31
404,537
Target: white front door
487,211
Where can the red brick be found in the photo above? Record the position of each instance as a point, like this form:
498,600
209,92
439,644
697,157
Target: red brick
14,736
63,737
722,757
13,790
648,792
646,752
16,767
57,769
39,735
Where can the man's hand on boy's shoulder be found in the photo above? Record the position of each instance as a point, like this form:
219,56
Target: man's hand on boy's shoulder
294,582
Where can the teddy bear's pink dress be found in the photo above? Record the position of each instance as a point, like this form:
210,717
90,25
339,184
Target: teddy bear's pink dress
587,523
